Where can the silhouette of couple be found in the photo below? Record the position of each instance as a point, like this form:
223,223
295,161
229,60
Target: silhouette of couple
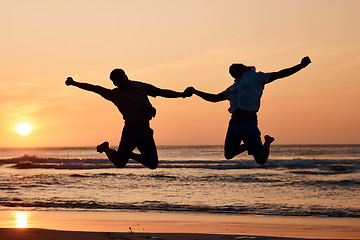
131,98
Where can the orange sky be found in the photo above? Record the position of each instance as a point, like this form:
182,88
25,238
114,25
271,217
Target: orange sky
175,44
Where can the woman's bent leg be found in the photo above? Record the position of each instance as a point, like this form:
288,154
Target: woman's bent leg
233,146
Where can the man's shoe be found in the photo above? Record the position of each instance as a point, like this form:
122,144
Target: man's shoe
102,147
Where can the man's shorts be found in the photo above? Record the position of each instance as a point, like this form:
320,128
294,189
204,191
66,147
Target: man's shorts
140,137
248,132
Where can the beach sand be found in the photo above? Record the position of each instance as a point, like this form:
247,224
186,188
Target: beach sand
44,234
88,225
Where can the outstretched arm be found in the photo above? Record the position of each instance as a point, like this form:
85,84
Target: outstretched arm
172,94
86,86
207,96
290,71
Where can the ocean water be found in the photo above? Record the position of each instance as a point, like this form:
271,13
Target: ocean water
298,180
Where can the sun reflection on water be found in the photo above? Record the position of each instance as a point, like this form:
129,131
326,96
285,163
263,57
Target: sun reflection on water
21,220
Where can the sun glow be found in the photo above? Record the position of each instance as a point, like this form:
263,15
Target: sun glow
21,220
23,128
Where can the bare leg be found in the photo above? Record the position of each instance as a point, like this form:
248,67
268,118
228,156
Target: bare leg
263,157
268,141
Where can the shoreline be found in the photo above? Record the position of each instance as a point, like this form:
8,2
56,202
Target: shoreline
141,224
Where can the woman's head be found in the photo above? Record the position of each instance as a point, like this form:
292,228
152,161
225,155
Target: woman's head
236,70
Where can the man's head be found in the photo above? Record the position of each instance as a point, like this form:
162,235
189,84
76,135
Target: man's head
237,70
119,78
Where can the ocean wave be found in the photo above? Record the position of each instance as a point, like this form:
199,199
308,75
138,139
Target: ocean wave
257,209
45,181
296,166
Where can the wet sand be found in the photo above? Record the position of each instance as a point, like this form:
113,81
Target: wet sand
87,225
43,234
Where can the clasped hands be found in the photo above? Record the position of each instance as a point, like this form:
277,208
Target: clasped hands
188,92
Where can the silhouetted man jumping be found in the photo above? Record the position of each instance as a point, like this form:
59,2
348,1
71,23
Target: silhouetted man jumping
131,98
244,96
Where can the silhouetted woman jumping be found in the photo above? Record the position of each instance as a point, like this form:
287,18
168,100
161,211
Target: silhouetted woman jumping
244,96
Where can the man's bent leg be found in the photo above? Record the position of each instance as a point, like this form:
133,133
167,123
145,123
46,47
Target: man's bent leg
147,147
113,155
119,160
127,144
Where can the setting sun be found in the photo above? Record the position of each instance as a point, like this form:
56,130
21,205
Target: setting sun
23,128
21,220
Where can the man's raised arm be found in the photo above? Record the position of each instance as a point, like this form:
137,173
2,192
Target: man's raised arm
87,86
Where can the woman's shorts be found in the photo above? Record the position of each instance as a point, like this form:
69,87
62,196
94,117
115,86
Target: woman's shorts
248,132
